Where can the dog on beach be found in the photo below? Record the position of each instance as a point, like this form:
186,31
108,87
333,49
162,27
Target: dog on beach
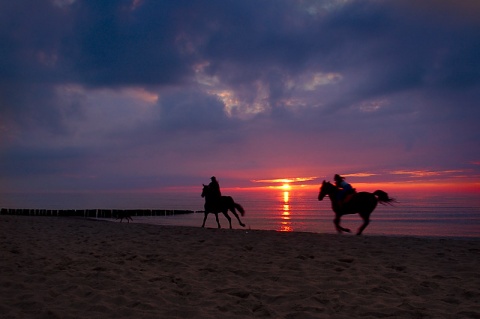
124,214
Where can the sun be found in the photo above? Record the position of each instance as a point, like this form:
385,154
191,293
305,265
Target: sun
286,187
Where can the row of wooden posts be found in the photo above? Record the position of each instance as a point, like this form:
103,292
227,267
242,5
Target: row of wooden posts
93,213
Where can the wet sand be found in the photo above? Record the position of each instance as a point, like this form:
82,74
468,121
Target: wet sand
55,267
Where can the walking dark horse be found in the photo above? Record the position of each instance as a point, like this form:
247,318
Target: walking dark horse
221,205
362,203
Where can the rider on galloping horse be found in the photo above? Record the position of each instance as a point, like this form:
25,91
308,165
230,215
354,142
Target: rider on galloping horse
345,190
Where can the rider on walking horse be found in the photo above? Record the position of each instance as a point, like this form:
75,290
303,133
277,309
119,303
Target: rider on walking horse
215,187
215,194
345,190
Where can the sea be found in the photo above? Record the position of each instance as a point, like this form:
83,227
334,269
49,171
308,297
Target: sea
295,210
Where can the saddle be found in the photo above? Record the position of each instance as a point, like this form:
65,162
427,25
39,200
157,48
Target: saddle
347,198
342,203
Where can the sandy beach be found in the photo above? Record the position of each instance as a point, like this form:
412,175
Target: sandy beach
55,267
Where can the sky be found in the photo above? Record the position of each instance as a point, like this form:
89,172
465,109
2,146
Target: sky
149,95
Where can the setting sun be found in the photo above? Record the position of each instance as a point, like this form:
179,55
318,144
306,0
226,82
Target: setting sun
286,187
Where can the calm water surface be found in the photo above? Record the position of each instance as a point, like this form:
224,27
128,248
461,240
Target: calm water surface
443,215
426,215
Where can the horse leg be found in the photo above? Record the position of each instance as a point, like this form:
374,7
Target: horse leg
236,215
366,221
205,218
336,222
225,213
216,217
339,228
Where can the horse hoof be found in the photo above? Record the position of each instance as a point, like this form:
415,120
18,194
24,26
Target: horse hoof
348,230
243,225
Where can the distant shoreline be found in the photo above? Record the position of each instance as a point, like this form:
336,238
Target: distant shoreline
172,213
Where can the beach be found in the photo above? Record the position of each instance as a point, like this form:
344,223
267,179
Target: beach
64,267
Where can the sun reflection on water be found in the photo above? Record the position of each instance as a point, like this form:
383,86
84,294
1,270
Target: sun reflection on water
285,223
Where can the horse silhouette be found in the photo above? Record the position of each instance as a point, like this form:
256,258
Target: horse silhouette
362,203
220,204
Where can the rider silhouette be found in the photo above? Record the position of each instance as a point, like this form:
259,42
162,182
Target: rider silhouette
344,189
214,187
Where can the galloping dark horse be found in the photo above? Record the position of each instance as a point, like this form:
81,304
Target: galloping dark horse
362,203
221,205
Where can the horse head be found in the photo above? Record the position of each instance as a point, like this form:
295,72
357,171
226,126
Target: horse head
327,188
205,190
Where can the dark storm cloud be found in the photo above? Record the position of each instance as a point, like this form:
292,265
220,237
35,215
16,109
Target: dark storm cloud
192,111
116,43
400,80
22,162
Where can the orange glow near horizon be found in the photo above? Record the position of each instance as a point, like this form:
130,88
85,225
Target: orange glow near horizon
421,187
450,186
399,180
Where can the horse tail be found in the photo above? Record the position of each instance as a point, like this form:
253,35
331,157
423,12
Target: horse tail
240,208
383,198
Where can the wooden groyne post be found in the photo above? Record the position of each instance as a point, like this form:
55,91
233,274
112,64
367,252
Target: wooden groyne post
92,213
